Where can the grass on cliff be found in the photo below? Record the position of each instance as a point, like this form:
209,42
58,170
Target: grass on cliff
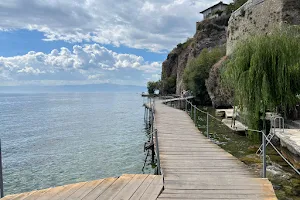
265,73
197,71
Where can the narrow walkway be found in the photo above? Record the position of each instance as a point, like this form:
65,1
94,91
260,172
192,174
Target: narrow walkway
195,168
128,186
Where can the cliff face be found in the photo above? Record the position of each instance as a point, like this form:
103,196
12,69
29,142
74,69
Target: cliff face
261,17
209,34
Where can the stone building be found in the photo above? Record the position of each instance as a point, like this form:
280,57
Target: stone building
215,10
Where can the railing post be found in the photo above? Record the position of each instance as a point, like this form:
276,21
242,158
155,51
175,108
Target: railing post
195,110
264,173
152,121
186,105
1,173
207,125
157,153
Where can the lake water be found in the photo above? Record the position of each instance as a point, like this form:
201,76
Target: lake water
56,139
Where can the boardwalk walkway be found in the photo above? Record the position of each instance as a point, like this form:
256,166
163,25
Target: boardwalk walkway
128,186
195,168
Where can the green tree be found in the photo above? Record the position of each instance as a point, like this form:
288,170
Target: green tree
265,73
169,85
197,71
152,86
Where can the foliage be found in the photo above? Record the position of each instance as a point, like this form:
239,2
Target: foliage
169,85
186,44
197,71
235,5
264,72
152,86
218,12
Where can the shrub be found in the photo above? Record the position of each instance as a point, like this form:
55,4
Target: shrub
264,72
153,86
169,85
197,71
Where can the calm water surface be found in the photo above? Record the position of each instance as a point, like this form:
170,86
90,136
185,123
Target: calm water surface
56,139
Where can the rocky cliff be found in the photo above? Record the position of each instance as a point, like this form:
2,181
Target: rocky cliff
261,17
209,34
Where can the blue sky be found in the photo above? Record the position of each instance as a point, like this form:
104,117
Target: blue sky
61,42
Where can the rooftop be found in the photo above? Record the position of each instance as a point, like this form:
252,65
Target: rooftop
220,3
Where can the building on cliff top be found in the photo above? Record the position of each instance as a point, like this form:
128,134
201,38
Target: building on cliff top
214,11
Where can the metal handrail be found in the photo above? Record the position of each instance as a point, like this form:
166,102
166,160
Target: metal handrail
265,139
154,130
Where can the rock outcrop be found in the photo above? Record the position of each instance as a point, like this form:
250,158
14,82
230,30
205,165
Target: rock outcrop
209,34
221,96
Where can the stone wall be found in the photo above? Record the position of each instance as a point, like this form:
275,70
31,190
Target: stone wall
261,17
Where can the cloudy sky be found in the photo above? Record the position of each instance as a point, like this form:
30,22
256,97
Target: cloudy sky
57,42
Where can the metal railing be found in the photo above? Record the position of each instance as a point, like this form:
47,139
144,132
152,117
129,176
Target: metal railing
153,130
266,139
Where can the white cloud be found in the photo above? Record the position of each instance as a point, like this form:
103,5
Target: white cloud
30,70
82,64
155,25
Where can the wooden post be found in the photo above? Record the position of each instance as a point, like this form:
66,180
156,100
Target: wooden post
1,173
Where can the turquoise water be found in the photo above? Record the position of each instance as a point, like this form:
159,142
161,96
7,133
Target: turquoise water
56,139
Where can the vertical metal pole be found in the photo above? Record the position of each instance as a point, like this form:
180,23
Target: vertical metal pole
207,125
157,153
264,173
185,105
195,116
152,125
1,173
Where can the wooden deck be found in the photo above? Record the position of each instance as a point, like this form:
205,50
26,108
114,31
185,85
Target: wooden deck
128,186
195,168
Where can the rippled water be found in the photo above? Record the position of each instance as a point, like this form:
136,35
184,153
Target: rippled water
56,139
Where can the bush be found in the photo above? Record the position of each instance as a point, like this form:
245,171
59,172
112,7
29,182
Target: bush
234,6
264,72
169,85
153,86
197,71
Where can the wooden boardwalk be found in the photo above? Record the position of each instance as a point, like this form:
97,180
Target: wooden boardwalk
128,186
195,168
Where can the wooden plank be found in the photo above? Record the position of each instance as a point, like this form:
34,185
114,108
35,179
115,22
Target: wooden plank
154,189
67,191
116,187
52,192
141,190
131,187
196,168
97,191
34,195
23,195
84,190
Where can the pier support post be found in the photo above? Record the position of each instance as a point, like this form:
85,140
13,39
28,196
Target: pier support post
264,172
157,153
207,117
1,173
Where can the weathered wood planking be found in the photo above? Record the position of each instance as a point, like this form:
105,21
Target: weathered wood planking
128,186
195,168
